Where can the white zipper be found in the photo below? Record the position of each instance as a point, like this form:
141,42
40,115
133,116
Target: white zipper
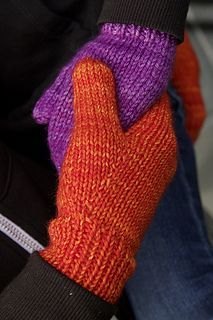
18,235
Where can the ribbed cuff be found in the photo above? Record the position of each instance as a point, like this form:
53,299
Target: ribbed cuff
165,15
41,293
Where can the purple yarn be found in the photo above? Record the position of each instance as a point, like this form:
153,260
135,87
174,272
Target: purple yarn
141,60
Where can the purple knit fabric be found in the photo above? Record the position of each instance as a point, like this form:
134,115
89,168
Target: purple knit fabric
141,60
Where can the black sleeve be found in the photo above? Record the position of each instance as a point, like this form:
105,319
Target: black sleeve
42,293
164,15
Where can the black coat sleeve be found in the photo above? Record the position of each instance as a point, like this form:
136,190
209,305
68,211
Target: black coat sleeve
42,293
164,15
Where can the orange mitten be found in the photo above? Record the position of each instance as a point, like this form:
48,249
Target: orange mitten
186,78
110,185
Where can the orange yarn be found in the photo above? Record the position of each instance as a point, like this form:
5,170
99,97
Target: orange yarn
110,185
186,77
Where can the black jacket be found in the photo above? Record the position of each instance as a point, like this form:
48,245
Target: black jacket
37,38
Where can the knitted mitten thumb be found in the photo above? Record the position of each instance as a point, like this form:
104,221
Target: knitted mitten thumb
110,184
186,78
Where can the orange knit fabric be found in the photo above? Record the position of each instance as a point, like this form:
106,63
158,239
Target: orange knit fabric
110,185
186,78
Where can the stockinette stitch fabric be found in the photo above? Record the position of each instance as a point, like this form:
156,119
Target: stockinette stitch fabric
186,80
141,61
110,184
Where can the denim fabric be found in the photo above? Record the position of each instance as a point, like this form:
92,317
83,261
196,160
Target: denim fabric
174,276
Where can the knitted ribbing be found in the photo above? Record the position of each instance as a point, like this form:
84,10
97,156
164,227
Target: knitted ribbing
141,60
186,79
110,184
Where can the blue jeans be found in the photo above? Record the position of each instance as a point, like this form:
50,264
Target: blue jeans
174,276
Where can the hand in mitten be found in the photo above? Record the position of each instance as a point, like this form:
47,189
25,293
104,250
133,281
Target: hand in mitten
140,59
109,186
186,80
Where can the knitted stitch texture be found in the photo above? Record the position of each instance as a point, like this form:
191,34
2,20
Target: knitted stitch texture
186,80
141,60
110,184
